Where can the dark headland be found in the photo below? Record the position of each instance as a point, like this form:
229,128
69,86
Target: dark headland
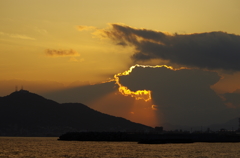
23,113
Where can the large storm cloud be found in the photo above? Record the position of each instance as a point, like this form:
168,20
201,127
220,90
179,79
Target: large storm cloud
183,96
211,50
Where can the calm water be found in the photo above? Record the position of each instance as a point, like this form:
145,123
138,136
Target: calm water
50,147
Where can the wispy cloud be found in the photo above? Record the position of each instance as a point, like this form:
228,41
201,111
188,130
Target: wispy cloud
83,27
73,59
17,36
60,53
21,37
41,31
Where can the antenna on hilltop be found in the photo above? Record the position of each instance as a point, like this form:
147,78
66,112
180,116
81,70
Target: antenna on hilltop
22,88
16,88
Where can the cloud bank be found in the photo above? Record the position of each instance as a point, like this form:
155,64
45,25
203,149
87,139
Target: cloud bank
211,50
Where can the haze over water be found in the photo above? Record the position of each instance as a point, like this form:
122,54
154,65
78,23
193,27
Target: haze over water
50,147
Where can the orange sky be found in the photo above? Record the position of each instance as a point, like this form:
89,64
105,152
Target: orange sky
47,46
30,28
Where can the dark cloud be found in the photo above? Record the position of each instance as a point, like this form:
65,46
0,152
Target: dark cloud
183,96
212,50
54,52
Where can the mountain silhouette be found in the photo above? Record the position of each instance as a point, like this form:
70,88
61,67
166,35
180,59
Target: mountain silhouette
23,113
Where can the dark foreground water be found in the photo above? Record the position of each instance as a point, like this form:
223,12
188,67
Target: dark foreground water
50,147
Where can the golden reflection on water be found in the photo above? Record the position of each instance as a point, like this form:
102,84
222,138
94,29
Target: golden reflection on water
49,147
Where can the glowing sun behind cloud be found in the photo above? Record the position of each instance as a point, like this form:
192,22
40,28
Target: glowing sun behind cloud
139,94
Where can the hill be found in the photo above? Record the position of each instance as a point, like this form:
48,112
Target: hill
27,114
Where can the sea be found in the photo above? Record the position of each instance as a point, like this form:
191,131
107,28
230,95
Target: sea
50,147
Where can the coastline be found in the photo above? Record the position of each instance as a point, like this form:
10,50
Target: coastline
150,138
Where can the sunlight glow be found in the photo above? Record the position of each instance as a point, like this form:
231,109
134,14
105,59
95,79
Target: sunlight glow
139,94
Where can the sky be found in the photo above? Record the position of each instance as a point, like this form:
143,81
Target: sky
151,62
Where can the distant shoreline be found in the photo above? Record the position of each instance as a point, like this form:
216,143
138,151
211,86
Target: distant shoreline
150,138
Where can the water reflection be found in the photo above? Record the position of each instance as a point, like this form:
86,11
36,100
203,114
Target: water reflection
50,147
